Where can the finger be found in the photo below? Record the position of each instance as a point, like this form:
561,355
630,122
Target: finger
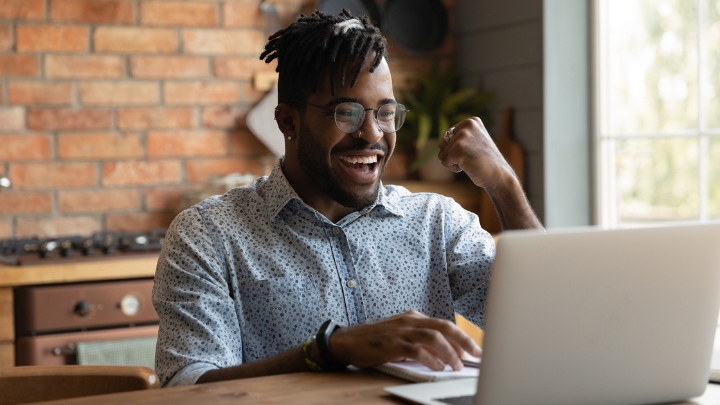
435,343
455,335
426,358
447,137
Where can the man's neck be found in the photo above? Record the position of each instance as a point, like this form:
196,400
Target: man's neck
313,195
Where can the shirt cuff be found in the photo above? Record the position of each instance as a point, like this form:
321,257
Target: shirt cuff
189,374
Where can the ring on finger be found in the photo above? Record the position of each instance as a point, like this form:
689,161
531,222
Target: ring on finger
449,134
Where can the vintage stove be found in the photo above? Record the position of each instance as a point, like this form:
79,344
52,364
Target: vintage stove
51,319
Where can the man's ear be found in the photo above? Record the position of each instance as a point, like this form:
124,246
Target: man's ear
287,120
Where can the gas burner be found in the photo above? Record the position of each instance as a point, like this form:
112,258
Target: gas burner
35,250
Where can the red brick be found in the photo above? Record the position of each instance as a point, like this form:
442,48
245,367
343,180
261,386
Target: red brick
25,147
119,93
39,93
5,37
22,9
53,175
12,119
135,40
66,118
143,118
201,92
98,201
93,11
141,173
85,67
245,143
243,15
19,65
223,42
5,229
138,222
25,203
172,13
59,226
157,67
52,38
241,68
164,199
200,170
223,117
99,146
187,143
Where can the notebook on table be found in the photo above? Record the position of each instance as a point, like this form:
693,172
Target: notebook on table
592,316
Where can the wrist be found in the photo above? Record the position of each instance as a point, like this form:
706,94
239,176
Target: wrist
337,347
322,339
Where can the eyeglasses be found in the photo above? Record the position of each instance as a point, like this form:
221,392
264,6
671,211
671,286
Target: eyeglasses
350,116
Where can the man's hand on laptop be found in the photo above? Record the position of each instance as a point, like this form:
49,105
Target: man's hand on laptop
411,335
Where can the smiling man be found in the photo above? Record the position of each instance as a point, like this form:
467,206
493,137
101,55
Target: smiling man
319,265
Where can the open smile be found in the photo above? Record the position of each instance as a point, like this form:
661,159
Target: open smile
361,168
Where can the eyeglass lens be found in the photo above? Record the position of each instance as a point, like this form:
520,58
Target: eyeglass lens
350,116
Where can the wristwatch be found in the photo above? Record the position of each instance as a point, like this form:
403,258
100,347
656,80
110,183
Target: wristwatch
323,343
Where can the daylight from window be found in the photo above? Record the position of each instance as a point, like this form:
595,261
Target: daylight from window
658,100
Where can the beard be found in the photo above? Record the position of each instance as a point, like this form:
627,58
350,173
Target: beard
312,158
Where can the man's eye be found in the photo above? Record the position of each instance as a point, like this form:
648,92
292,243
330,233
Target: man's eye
345,115
386,115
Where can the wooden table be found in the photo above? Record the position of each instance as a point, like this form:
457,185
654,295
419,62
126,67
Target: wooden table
347,387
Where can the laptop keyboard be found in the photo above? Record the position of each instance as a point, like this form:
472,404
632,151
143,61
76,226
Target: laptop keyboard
464,400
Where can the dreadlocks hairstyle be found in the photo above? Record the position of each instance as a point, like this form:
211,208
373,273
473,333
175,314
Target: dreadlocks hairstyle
303,49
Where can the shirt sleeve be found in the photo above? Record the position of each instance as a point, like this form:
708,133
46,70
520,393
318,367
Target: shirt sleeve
470,252
199,328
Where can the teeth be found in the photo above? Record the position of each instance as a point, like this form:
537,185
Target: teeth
360,159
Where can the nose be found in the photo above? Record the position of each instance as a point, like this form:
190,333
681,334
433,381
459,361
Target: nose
371,131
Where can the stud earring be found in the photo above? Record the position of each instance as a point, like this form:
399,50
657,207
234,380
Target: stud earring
289,138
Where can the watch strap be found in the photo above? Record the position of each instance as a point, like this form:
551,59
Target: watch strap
323,343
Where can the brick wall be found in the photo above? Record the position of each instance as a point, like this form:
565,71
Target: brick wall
111,109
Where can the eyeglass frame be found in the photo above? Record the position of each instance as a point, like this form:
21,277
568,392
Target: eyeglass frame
334,110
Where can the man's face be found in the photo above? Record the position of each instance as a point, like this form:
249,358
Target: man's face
334,159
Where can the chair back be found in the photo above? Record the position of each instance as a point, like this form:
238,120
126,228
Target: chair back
27,384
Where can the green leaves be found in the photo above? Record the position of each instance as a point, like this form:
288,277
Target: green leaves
437,103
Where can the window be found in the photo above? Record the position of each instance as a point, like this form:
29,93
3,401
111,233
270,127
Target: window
658,111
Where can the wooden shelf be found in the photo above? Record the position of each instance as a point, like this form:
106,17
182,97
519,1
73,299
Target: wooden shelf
117,268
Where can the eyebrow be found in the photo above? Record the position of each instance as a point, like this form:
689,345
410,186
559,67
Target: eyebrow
334,102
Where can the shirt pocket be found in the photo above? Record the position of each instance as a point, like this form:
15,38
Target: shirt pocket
278,314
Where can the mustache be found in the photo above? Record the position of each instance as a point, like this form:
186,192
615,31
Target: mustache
361,146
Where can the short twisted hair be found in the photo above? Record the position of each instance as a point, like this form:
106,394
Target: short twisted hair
321,40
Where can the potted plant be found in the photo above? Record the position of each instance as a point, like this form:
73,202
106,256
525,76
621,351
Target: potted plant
434,105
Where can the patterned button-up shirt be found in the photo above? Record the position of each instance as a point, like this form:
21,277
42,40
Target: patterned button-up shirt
254,272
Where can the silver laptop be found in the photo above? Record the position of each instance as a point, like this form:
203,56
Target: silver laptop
593,316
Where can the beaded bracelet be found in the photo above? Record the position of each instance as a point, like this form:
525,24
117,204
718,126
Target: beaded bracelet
305,348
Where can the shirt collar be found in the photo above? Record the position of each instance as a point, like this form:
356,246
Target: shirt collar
277,193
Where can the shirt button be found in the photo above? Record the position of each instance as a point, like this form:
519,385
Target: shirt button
336,231
351,283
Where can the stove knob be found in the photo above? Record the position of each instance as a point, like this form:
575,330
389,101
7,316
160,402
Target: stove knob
88,247
66,248
130,305
83,308
47,248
